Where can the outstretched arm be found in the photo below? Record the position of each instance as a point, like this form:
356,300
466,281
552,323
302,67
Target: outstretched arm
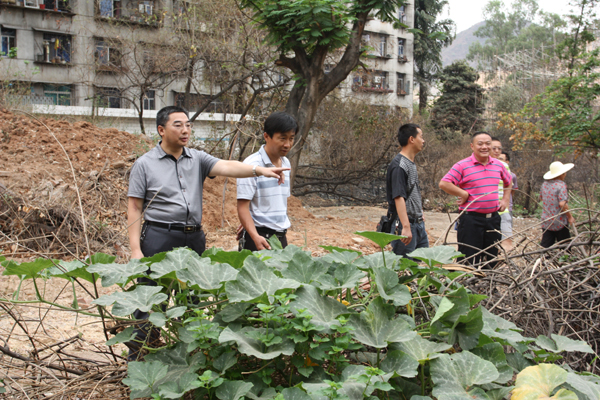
236,169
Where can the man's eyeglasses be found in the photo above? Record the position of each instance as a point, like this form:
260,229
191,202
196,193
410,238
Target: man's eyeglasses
179,125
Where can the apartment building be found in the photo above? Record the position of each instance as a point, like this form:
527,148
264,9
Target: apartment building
389,77
61,57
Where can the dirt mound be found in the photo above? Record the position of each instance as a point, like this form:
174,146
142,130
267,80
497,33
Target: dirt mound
42,207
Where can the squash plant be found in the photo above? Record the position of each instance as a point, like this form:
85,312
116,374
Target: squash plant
281,324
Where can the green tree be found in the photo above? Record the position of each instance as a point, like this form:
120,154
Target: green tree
460,105
522,28
566,115
305,32
430,38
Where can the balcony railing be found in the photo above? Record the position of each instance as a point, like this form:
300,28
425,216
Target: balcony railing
371,89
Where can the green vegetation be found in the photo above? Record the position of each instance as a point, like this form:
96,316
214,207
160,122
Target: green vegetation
280,324
460,105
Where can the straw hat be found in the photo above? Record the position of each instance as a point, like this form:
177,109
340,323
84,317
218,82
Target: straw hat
557,169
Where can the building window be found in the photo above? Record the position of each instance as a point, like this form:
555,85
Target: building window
110,8
56,48
382,46
402,85
58,5
402,14
9,41
108,97
107,57
129,10
60,95
401,44
372,81
149,100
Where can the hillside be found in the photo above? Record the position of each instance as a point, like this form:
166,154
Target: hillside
459,48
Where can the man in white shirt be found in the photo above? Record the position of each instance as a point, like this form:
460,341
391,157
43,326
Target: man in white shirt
262,206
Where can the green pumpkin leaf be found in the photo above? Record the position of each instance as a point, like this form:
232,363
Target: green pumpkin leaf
437,255
200,273
392,261
178,361
175,312
72,269
500,393
377,327
499,328
266,394
340,258
174,260
454,376
303,268
331,249
126,335
158,319
225,361
233,390
324,309
177,388
275,243
389,287
421,349
400,363
380,238
586,389
253,347
119,274
142,298
143,377
494,353
256,281
102,258
562,343
295,394
347,275
539,382
467,329
28,270
445,306
233,258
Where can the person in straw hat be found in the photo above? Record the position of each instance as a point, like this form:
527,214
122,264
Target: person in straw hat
555,211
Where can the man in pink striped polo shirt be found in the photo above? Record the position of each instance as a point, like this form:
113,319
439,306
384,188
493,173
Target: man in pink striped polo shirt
474,182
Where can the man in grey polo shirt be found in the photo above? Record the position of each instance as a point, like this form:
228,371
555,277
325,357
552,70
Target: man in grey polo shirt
166,186
262,205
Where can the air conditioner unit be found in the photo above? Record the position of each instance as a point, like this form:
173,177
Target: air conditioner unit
377,79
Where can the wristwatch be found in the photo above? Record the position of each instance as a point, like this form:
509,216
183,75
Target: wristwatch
254,170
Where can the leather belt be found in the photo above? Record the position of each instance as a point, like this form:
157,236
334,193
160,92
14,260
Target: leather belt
488,215
176,227
415,220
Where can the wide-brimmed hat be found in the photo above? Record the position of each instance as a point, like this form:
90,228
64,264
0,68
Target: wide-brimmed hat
557,169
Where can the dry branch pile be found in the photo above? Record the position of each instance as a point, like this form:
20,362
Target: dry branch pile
550,291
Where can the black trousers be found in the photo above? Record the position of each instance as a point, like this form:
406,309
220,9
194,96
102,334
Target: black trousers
266,233
551,237
156,240
475,233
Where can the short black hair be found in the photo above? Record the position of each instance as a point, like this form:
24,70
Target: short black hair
507,156
495,139
162,116
406,131
280,122
479,133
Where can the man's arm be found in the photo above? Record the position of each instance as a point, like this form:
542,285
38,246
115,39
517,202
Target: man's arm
243,207
134,225
454,190
403,216
236,169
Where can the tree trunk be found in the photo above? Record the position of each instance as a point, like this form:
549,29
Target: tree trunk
141,113
423,95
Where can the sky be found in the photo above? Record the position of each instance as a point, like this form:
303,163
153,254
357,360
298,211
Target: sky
467,13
